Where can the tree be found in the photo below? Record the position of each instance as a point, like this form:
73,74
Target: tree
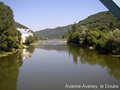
74,27
93,36
113,41
104,29
69,33
82,34
8,31
29,39
116,26
19,35
75,37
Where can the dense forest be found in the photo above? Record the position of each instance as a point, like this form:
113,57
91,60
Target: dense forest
101,18
53,33
102,37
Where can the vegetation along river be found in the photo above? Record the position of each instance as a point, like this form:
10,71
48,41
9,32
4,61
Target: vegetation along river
58,66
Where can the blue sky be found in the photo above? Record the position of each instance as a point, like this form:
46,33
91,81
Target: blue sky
42,14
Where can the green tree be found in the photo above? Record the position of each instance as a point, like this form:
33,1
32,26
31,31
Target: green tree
8,32
69,33
113,41
29,39
72,34
19,35
74,27
116,26
93,36
82,34
75,37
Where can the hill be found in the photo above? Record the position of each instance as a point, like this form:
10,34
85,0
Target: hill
20,25
102,18
54,33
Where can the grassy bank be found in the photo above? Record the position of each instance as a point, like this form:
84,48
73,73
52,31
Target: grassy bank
36,43
7,53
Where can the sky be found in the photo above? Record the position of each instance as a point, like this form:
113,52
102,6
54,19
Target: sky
41,14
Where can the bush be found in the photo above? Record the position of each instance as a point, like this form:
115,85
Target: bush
82,34
93,36
75,37
29,39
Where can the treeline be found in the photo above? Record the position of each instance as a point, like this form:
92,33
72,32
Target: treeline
101,31
105,39
10,37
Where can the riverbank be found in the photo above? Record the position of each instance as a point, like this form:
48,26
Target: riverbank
36,43
8,53
98,51
3,54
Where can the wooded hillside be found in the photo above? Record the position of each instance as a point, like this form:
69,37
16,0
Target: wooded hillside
99,19
53,33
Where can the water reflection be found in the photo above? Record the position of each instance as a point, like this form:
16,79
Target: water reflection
59,47
91,57
9,65
27,53
9,71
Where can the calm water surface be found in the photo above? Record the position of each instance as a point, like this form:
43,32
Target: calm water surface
54,66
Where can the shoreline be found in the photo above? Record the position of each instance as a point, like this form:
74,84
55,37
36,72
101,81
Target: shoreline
91,48
16,50
8,53
36,43
60,41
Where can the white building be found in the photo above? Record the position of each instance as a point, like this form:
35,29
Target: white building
25,33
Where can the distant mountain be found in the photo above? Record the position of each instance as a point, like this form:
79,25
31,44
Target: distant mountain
54,33
102,18
20,25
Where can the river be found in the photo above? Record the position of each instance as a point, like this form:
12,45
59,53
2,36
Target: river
58,66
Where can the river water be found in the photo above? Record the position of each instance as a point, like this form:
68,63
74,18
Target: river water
58,66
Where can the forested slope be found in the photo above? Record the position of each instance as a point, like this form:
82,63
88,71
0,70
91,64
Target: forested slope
20,25
99,19
53,33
